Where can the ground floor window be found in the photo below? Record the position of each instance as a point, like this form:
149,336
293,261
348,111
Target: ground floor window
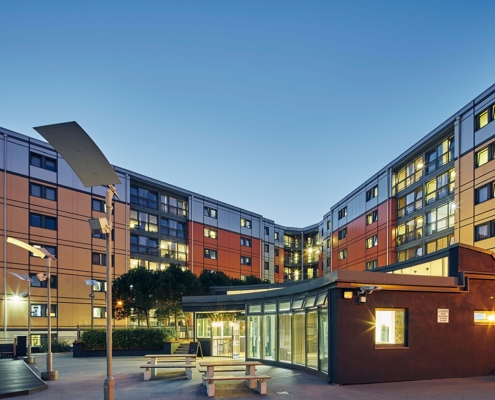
323,339
312,339
270,334
254,338
285,338
390,327
298,339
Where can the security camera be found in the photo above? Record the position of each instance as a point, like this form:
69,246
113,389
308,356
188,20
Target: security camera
364,290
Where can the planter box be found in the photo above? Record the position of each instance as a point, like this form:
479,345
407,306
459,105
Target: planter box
78,351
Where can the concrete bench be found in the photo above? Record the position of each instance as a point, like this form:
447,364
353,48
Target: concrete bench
149,367
260,382
204,370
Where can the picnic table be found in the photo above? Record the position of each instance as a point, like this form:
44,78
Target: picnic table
182,361
252,380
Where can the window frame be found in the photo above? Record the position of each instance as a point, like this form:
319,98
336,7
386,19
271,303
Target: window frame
43,161
404,344
210,253
43,191
43,221
210,212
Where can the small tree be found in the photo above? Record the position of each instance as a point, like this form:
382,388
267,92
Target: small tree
137,292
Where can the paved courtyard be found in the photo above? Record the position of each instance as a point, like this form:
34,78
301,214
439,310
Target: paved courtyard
82,378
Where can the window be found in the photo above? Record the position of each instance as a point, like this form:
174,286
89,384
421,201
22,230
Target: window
484,193
484,117
267,265
390,327
409,231
245,242
103,235
409,174
372,217
440,218
276,269
440,155
35,281
440,186
372,193
484,231
99,259
342,254
41,161
372,241
267,230
44,192
43,221
144,245
267,248
51,249
173,205
150,265
210,233
175,251
484,317
277,252
144,197
210,212
246,223
143,221
371,264
99,312
276,235
171,227
245,260
485,155
328,262
328,243
410,202
342,213
328,224
40,310
212,254
101,286
439,244
342,233
410,254
98,205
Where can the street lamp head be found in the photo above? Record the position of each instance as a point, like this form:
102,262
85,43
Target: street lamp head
91,282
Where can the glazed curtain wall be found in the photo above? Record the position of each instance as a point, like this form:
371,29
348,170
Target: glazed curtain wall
293,332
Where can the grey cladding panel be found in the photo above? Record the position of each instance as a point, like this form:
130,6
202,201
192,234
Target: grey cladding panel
210,221
467,134
67,177
43,174
100,190
223,218
255,231
485,133
235,221
383,188
485,103
2,151
356,206
43,150
198,210
17,157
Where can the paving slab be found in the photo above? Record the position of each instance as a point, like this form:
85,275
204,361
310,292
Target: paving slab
82,378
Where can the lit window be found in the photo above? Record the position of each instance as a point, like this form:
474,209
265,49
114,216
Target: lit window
245,260
267,265
246,223
342,254
276,235
210,212
342,213
372,241
482,157
483,119
390,327
245,242
267,230
372,193
484,317
371,264
210,233
212,254
267,248
373,217
99,312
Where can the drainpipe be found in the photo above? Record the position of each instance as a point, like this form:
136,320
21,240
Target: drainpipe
191,216
5,234
302,256
127,227
388,214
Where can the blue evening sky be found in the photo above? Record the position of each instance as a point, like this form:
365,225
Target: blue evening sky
279,107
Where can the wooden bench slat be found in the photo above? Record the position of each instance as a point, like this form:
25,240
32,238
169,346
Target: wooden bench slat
236,378
168,366
225,370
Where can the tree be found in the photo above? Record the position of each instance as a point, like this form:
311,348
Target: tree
137,292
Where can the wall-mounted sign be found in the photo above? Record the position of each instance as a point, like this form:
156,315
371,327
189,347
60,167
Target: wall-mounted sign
443,316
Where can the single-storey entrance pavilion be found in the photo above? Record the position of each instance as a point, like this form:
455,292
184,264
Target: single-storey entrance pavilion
431,319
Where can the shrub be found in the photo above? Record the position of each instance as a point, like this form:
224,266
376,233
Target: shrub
58,346
127,339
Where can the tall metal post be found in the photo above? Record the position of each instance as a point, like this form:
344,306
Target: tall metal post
92,295
108,387
30,358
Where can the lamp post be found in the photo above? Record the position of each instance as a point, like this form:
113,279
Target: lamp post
93,169
49,374
92,283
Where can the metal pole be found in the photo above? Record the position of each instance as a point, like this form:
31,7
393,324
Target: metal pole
30,360
49,306
5,235
92,307
108,387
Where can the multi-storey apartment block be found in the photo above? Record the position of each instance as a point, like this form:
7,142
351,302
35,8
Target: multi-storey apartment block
438,192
